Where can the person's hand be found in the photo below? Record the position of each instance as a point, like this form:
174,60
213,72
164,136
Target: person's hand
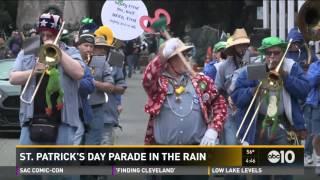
210,137
301,134
170,47
283,73
232,105
245,143
40,67
119,108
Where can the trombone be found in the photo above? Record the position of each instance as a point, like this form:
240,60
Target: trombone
50,55
273,79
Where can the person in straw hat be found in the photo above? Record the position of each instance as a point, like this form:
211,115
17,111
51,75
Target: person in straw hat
280,113
235,49
109,82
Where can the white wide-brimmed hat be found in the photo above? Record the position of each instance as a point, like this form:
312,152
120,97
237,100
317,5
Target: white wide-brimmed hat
181,48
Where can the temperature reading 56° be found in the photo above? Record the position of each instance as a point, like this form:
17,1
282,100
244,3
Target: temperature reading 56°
250,151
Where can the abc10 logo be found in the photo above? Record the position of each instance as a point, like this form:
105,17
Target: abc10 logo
281,156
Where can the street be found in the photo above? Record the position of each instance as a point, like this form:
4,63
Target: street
133,121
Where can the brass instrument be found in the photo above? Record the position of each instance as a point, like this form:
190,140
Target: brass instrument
49,55
309,55
308,21
273,82
87,61
274,75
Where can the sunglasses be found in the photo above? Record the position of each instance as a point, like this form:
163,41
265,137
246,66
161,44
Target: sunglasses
269,53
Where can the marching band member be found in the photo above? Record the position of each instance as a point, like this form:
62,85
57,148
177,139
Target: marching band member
85,45
65,124
235,50
101,71
312,112
298,51
71,70
279,112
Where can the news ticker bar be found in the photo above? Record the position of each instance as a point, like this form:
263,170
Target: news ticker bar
156,170
214,156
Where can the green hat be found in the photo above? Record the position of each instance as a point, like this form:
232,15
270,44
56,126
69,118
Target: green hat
271,42
220,45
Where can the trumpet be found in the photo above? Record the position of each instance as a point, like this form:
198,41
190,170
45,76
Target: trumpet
87,61
49,55
273,82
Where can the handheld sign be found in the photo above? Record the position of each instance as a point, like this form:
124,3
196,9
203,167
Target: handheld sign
159,24
123,18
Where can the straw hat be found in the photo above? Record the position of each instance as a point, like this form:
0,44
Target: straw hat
180,48
239,37
101,41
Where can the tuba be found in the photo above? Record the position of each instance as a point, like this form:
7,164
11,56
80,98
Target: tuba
308,21
50,55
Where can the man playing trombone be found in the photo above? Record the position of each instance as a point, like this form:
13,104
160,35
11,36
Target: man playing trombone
278,113
27,69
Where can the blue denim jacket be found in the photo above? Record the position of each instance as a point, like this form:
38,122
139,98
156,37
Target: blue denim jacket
210,70
296,85
70,111
86,87
110,108
313,76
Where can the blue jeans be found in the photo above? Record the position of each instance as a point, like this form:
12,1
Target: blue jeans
229,129
132,59
66,135
307,114
94,134
280,138
108,134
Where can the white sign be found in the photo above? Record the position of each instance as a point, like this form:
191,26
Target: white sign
123,17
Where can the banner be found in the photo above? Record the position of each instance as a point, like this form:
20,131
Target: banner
164,160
